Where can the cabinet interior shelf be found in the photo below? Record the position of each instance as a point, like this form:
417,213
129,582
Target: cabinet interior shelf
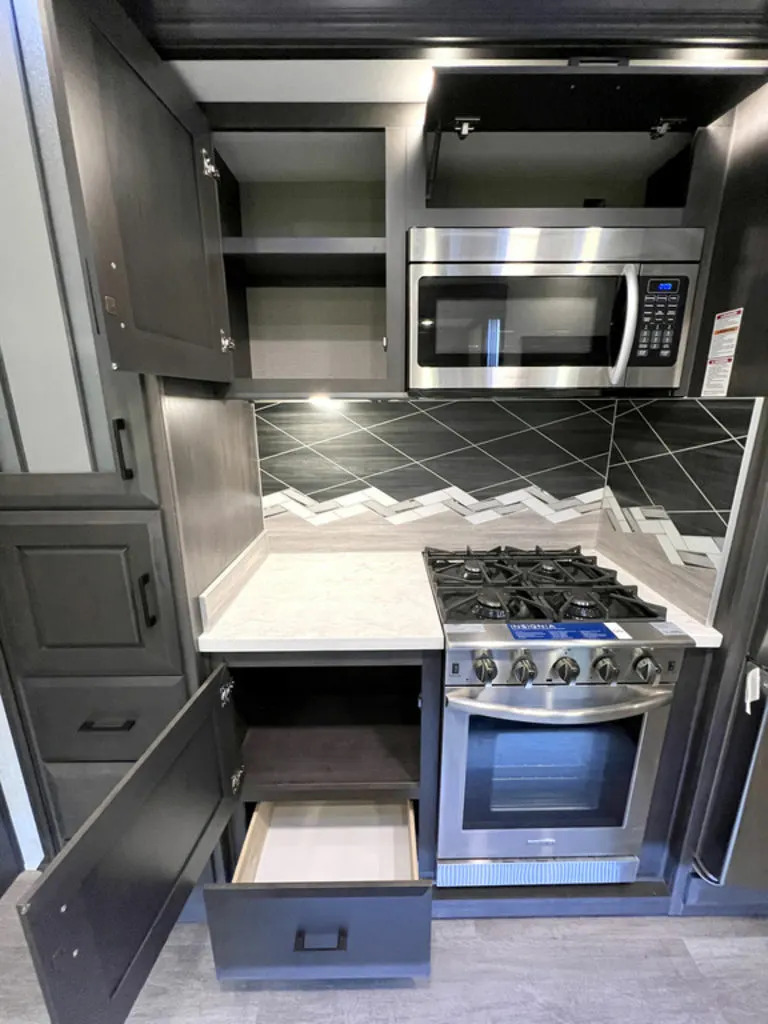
285,761
310,260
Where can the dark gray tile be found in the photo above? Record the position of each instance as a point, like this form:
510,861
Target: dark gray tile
269,485
682,423
599,463
471,470
634,438
733,413
698,524
478,421
420,437
527,452
305,470
306,422
583,436
339,490
369,414
271,440
667,485
408,482
362,453
626,488
539,413
567,481
715,469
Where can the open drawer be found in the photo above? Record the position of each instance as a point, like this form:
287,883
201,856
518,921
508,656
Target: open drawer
324,890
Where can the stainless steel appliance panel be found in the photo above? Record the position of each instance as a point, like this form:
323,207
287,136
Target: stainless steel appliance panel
551,245
553,375
604,734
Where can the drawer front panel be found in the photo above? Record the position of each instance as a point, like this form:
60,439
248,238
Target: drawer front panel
112,719
78,789
323,931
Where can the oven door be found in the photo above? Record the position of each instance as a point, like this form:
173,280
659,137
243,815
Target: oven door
548,772
522,325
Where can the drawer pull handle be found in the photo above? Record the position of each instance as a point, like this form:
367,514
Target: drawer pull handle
150,619
119,427
107,725
320,942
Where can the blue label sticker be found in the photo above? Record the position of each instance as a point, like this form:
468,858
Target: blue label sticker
561,631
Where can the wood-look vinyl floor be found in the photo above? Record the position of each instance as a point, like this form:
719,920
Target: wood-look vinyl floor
542,971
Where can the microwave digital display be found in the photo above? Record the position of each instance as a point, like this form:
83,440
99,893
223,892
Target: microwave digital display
656,284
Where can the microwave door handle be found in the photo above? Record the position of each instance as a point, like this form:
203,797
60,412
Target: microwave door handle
564,716
617,372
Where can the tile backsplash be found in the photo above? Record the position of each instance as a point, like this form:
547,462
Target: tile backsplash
672,479
521,472
402,462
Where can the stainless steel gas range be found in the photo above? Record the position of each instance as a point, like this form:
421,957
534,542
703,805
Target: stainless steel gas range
558,681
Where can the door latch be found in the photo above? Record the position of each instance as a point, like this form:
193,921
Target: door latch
225,692
227,343
210,170
237,779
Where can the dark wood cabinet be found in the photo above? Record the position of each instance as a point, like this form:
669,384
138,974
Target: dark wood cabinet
142,174
86,594
76,790
95,719
143,850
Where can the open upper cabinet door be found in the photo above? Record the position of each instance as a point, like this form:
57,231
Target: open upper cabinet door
96,920
144,183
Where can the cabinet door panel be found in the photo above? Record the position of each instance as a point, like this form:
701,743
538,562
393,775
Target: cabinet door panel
150,208
99,916
87,595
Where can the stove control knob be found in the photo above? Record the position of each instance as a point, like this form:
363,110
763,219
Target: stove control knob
606,669
485,667
567,669
523,671
648,669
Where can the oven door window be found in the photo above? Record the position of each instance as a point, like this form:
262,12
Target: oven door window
571,320
534,776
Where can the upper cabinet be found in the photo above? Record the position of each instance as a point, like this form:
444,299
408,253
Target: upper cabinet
142,175
314,250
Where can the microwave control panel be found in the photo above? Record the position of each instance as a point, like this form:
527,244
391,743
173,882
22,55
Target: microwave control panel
660,321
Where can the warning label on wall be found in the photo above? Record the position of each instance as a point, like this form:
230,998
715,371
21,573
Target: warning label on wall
722,349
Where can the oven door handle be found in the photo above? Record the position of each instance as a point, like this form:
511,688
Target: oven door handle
617,372
564,716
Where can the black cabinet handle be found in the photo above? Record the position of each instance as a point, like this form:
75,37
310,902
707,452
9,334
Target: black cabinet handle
150,619
119,427
322,942
107,725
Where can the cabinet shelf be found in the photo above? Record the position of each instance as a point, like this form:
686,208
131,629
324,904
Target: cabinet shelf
285,761
309,260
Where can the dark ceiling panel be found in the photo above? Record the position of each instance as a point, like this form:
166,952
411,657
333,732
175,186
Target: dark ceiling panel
245,26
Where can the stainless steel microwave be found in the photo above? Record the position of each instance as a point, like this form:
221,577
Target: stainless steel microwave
550,307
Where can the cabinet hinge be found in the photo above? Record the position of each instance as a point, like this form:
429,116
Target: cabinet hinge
225,692
237,779
227,343
210,170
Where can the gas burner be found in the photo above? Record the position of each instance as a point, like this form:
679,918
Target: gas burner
582,606
489,605
472,570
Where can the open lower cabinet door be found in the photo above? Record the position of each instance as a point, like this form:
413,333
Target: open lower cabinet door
97,919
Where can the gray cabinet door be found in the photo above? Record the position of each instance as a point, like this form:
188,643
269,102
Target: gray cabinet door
140,148
98,917
86,594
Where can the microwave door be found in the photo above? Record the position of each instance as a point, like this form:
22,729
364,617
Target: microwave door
522,326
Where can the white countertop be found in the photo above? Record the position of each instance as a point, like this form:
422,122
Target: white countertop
351,601
704,636
360,601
